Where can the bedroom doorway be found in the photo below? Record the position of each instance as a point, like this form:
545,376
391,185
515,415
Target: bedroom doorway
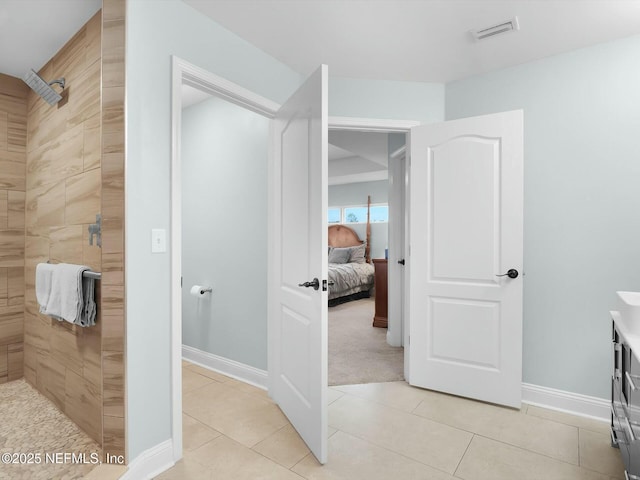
366,205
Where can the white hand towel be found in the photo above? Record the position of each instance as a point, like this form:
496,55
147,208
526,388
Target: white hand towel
44,272
66,299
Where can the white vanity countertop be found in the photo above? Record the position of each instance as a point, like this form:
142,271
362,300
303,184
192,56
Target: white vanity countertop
631,339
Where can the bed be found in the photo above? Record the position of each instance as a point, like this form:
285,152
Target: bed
350,267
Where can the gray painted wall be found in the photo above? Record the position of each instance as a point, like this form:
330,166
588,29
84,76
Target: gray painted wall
581,204
224,230
356,194
155,31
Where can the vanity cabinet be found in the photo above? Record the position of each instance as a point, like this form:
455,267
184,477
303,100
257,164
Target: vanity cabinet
625,399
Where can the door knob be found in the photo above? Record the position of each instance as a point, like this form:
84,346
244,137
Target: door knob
512,273
401,262
315,284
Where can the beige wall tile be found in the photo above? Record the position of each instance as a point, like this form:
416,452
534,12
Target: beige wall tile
112,109
4,362
113,383
15,207
36,335
12,170
65,348
4,209
50,206
4,288
65,154
70,61
84,96
113,142
17,133
15,353
112,299
92,355
30,362
11,248
11,324
50,379
4,130
114,10
113,49
13,87
92,142
113,333
66,244
13,105
93,38
83,197
113,186
15,286
113,435
53,119
83,405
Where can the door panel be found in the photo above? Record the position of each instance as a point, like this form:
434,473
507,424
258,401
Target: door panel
298,254
465,231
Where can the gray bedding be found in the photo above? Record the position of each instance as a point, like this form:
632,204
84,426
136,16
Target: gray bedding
349,278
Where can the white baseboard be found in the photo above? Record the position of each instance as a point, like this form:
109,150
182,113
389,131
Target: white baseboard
225,366
573,403
151,462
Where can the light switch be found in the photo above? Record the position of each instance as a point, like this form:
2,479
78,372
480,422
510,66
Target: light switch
158,240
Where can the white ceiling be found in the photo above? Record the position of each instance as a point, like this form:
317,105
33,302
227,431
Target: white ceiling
418,40
357,157
32,31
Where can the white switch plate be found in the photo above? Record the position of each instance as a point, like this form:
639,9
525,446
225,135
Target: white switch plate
158,240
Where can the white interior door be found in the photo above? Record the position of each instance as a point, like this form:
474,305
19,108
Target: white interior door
466,184
298,254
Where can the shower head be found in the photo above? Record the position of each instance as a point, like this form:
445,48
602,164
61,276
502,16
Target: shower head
43,88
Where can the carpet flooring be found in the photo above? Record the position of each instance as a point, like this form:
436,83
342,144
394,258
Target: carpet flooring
359,352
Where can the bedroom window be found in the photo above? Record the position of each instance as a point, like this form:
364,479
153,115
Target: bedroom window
335,215
358,214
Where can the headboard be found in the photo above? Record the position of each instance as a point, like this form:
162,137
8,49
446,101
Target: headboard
343,236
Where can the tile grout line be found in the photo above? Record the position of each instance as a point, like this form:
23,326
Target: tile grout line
463,455
530,451
392,451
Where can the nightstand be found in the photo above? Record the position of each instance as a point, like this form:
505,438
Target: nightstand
380,279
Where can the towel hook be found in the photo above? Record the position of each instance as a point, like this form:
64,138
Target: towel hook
96,229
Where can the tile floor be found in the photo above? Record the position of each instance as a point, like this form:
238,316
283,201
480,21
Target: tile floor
383,431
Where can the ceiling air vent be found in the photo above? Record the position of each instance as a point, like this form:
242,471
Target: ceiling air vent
499,29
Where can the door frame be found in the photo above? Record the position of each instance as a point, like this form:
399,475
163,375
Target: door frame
190,74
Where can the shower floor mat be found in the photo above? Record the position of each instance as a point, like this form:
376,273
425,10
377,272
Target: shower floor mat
37,441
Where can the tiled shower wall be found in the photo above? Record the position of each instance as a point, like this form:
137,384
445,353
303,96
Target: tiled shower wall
63,196
113,302
13,142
